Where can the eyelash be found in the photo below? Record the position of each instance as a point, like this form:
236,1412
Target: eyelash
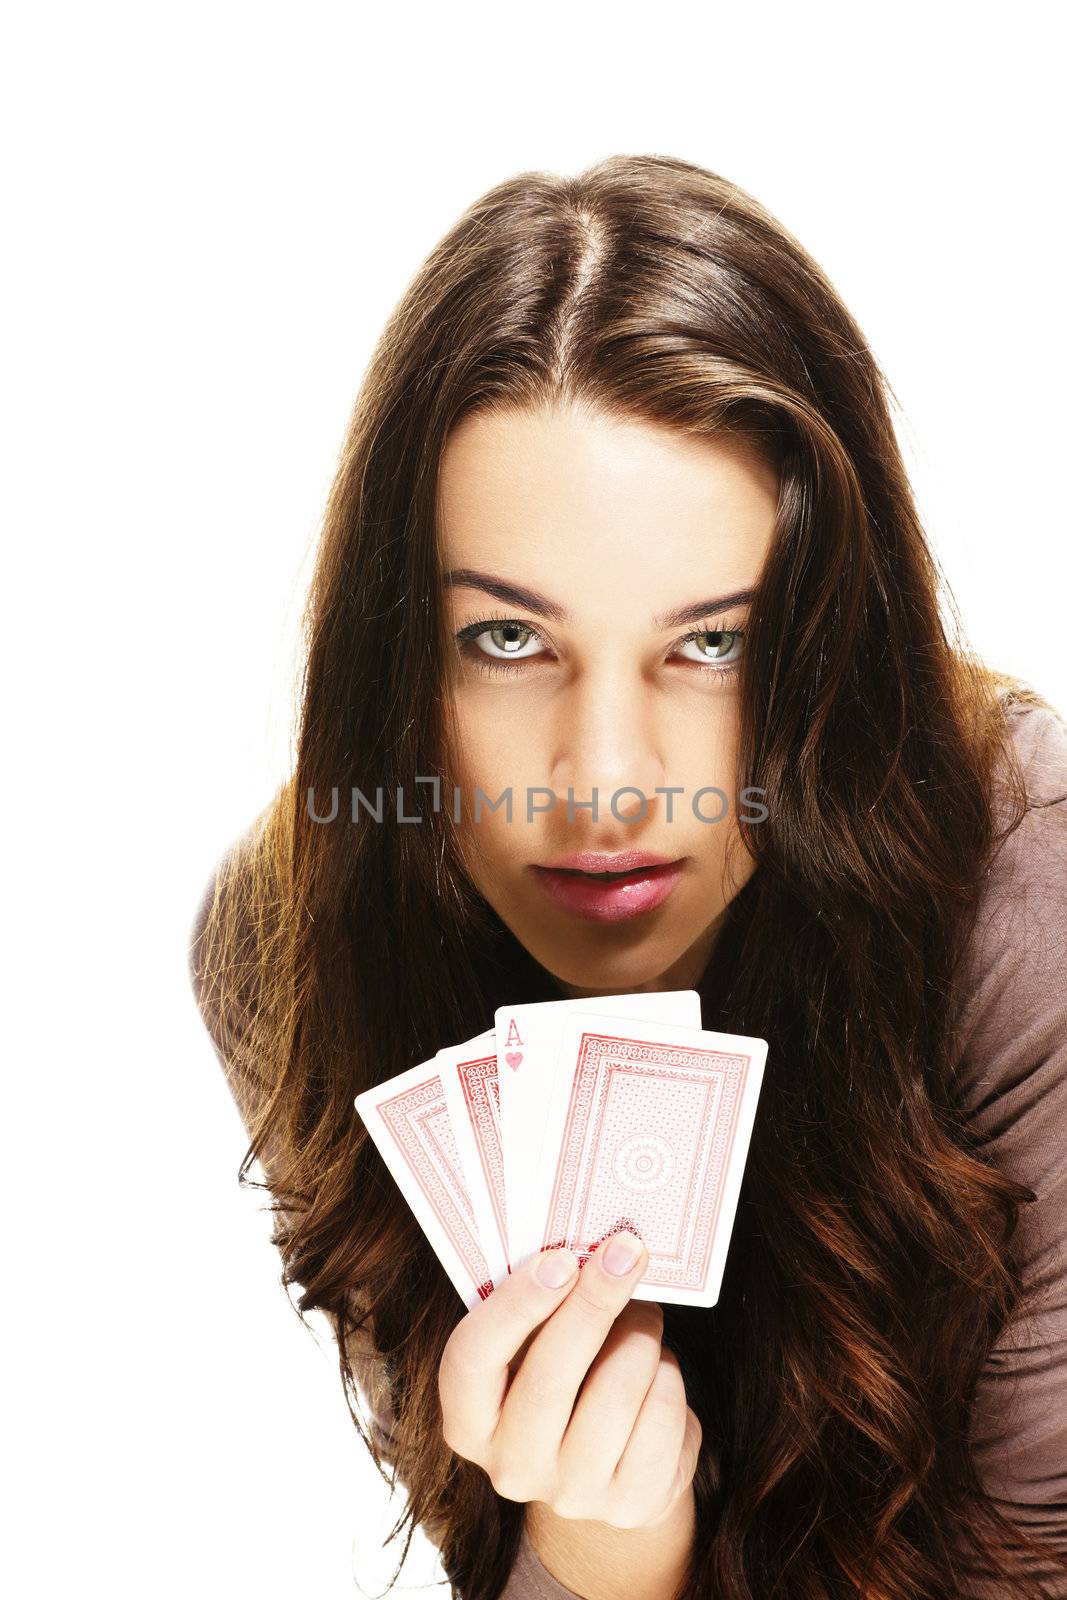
467,636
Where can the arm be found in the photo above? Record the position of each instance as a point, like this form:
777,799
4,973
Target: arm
227,1017
655,1553
598,1562
1014,1078
228,1032
590,1431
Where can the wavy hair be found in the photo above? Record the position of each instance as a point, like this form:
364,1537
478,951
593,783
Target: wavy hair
835,1421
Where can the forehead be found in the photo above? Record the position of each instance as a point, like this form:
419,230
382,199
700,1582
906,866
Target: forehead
558,484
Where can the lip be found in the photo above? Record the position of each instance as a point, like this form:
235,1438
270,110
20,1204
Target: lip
600,861
651,883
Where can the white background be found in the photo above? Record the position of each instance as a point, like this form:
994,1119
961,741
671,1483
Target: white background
210,210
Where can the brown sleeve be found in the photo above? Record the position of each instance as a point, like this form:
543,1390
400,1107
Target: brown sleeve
1014,1078
530,1579
228,1026
227,1030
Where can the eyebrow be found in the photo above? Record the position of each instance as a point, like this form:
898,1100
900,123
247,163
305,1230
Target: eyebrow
530,600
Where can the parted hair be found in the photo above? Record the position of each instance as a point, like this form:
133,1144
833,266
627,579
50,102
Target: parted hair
835,1457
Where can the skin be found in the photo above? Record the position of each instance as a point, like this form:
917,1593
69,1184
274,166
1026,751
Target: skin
606,1474
566,1395
618,522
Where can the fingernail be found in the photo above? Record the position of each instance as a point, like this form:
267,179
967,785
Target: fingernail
621,1254
554,1268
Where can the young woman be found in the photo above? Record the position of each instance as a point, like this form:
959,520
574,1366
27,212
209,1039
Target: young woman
621,511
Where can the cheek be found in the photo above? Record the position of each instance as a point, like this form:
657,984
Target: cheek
476,744
493,753
487,758
702,755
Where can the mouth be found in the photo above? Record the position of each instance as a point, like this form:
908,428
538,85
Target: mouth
609,896
611,877
617,862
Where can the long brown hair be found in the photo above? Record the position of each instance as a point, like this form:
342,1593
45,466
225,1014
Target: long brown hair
835,1457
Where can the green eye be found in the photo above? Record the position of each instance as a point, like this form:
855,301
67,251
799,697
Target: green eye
716,645
719,649
507,637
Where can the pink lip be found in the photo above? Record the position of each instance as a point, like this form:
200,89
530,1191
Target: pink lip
600,861
610,902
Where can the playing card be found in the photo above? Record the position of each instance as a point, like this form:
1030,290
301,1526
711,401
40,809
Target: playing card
647,1128
528,1038
469,1079
408,1119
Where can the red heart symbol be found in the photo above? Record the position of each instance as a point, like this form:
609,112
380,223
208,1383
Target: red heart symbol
513,1059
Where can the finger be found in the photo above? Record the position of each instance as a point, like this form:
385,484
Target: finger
660,1452
473,1376
688,1457
607,1406
542,1393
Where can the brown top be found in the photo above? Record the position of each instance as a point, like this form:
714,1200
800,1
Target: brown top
1014,1087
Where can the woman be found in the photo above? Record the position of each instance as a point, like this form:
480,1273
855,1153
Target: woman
621,507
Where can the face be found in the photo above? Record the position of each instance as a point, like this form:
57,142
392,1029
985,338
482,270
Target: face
587,568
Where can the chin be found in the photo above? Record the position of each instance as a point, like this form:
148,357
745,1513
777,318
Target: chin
622,970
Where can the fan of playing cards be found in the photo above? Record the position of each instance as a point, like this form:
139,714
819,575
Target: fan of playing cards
567,1121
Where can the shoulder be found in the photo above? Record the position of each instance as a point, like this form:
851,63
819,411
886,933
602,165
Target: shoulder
1037,733
220,893
222,940
221,945
1014,1000
1013,1096
222,971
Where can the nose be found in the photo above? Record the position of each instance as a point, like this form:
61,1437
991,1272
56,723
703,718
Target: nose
607,742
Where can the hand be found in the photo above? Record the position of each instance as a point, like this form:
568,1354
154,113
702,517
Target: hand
627,1451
